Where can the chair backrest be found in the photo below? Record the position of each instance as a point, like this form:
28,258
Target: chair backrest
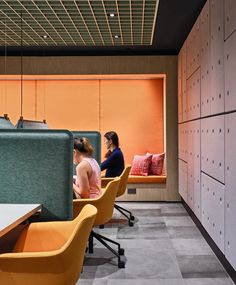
5,123
123,181
29,124
59,266
104,203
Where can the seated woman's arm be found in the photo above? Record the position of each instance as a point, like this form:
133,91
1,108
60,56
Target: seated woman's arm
108,162
82,190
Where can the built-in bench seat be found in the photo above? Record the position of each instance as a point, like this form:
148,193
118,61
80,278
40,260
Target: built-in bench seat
145,188
146,179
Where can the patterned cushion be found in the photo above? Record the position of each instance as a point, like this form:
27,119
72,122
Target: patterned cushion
141,165
156,167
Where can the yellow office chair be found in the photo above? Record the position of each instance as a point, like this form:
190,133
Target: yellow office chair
49,253
121,190
105,206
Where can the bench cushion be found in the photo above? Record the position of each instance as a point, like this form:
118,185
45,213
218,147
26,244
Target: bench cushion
146,179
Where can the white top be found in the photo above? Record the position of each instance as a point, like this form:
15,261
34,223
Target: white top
12,215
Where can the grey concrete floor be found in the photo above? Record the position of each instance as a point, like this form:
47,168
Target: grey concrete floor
164,247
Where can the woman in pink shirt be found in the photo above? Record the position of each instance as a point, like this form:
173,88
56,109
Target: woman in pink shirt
87,183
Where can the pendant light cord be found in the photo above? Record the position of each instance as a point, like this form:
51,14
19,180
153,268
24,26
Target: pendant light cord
21,77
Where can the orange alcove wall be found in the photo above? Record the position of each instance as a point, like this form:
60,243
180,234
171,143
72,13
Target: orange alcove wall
132,108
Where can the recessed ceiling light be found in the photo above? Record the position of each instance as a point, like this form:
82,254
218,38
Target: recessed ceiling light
112,15
116,36
45,36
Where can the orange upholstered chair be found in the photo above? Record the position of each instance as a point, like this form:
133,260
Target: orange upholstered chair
105,206
49,253
121,190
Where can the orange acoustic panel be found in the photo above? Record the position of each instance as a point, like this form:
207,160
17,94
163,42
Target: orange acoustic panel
10,99
28,106
69,104
131,107
134,109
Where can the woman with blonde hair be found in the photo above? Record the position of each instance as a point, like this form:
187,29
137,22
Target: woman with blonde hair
87,183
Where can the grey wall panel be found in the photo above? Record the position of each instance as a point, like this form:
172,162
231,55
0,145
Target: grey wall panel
230,71
216,199
196,169
184,81
212,147
183,179
193,95
230,19
205,59
193,49
213,209
217,56
230,190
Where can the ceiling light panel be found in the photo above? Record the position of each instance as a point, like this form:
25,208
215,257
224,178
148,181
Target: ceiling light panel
77,22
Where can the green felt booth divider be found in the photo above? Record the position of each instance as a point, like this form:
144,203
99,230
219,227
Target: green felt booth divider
36,166
95,140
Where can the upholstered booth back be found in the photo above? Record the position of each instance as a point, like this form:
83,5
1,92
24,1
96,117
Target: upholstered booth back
95,140
5,124
28,124
36,167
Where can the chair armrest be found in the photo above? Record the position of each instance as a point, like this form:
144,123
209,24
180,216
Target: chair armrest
78,205
106,180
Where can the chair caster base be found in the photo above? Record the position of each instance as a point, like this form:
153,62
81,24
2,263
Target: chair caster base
131,224
121,264
132,218
121,251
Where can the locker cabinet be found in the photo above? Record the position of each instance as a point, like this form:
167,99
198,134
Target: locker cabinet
217,56
193,95
205,59
230,190
212,203
212,147
183,187
230,19
193,49
230,71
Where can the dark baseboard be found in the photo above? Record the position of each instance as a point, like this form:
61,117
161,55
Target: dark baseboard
228,267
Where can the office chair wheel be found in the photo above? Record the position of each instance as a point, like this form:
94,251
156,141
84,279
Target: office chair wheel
121,251
131,224
132,218
121,264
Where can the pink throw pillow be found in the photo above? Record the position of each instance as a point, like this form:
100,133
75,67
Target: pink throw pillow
141,165
157,164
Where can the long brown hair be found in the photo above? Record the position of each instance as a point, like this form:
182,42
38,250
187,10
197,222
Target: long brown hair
83,145
114,138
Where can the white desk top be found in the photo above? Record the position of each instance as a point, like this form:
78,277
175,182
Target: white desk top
12,215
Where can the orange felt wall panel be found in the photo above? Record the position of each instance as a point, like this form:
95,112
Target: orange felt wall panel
11,103
28,107
2,97
72,104
134,109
